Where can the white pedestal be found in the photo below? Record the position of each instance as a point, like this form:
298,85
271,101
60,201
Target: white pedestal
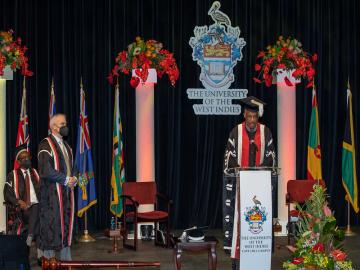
286,137
8,75
145,154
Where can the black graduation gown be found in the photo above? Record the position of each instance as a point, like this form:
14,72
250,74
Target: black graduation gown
231,160
57,200
26,220
9,188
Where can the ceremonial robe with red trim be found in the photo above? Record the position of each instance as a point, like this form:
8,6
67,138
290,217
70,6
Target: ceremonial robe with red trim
243,149
57,200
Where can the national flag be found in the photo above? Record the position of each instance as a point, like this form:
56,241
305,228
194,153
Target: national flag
314,150
52,106
22,136
83,162
349,178
118,170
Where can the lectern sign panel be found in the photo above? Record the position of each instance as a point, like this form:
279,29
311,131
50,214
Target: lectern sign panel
255,220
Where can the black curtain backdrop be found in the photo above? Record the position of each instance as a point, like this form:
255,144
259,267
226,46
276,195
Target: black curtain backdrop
70,39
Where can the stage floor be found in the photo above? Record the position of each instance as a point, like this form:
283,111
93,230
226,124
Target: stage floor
148,252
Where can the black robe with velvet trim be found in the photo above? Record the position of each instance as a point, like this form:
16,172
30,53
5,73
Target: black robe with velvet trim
229,182
53,190
9,188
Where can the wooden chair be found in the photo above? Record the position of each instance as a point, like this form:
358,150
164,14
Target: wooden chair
136,193
298,191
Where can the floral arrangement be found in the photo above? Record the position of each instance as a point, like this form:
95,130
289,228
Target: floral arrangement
13,54
319,242
142,55
286,53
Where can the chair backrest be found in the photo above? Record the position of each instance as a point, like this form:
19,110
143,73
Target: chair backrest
300,190
143,192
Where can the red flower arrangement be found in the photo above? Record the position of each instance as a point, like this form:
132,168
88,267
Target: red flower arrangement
285,54
338,255
13,54
142,56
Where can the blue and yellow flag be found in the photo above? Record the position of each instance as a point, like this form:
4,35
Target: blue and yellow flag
314,150
349,179
83,162
118,170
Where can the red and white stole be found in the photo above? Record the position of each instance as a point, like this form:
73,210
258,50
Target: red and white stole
55,155
16,189
243,161
16,181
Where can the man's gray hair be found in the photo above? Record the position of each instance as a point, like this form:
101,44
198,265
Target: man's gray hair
53,119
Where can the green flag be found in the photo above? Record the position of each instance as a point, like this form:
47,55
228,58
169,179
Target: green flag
118,170
314,150
349,179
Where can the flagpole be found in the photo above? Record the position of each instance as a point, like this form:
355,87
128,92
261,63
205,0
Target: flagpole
86,237
348,231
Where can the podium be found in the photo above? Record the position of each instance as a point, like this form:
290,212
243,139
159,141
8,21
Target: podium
250,229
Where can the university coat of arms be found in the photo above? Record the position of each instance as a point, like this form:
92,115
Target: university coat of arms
217,49
255,216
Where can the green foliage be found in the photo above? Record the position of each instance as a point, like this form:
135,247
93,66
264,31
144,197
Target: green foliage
320,240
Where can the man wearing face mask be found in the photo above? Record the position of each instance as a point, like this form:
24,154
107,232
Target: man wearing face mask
250,144
55,161
22,189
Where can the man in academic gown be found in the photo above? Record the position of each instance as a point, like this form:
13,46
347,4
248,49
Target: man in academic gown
22,189
250,144
55,161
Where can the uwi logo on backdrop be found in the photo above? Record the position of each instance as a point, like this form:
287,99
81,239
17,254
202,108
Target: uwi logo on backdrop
217,49
255,216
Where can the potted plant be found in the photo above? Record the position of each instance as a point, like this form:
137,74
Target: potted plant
141,56
319,242
12,54
286,54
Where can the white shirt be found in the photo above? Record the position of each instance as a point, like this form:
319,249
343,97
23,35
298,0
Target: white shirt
33,198
63,148
60,142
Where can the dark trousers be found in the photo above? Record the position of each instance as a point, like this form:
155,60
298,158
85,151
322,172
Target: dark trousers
235,264
31,217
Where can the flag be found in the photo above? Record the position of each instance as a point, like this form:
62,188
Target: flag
22,136
314,150
52,106
349,179
118,170
83,162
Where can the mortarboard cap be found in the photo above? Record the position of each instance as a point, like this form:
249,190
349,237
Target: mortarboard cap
253,104
19,150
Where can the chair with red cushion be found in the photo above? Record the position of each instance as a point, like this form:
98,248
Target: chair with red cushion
14,222
298,191
136,193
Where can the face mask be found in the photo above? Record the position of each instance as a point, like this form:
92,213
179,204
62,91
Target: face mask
26,164
64,131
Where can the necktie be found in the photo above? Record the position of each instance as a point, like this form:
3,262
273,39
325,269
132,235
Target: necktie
27,187
66,157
